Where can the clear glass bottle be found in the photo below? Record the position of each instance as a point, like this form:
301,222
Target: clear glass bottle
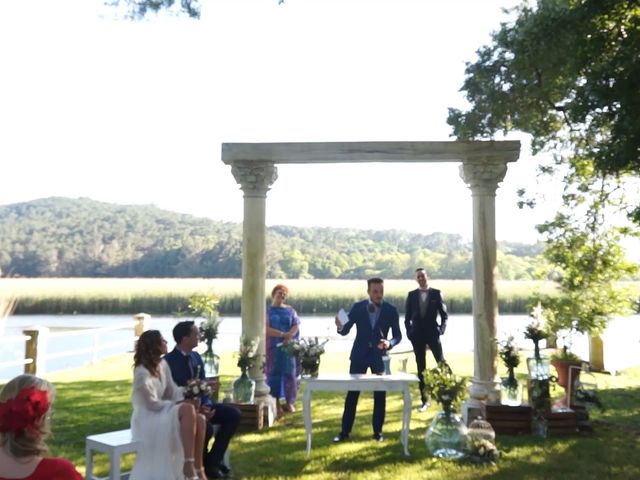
511,390
244,388
446,437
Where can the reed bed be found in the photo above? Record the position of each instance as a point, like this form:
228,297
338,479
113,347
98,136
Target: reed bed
170,295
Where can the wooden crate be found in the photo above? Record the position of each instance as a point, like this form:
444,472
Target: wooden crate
253,416
561,422
508,420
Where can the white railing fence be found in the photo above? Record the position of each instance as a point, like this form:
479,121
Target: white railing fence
36,341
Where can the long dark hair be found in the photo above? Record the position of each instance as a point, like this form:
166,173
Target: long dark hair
148,352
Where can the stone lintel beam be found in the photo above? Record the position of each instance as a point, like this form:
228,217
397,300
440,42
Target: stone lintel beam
364,152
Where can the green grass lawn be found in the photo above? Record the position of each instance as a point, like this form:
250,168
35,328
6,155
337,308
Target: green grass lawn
96,399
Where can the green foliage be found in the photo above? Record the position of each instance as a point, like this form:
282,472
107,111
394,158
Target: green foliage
509,354
566,72
60,237
590,263
248,353
206,307
445,387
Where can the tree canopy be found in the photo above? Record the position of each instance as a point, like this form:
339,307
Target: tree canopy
568,73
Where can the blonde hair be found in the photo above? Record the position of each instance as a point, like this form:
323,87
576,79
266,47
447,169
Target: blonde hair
26,443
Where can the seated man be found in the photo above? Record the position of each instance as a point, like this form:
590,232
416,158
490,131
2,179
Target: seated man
184,364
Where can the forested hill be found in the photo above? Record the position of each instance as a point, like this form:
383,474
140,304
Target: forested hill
63,237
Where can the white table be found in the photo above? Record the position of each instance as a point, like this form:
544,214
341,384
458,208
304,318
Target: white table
398,382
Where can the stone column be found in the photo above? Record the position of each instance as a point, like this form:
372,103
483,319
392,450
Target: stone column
255,180
483,177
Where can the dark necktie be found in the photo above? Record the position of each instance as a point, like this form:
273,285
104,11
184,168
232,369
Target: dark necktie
189,366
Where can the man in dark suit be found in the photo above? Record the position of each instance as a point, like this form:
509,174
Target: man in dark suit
373,318
185,364
421,312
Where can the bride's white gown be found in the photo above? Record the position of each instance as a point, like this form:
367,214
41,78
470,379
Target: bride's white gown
155,424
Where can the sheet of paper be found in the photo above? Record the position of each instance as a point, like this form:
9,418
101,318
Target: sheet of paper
343,317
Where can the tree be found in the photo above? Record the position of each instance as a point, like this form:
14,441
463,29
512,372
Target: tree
139,9
567,72
591,262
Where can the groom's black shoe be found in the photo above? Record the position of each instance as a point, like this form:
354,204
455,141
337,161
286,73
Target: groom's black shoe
224,469
341,437
214,472
378,437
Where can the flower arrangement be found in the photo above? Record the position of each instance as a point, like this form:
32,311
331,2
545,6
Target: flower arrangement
509,353
248,353
305,348
447,388
206,306
308,351
197,387
535,330
482,450
510,357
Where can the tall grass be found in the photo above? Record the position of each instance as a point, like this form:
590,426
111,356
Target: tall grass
168,295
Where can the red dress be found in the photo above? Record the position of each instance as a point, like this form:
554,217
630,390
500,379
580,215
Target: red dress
52,469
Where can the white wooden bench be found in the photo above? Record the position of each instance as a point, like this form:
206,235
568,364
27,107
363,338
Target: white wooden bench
115,444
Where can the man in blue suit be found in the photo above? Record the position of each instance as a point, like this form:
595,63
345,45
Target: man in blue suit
185,364
373,318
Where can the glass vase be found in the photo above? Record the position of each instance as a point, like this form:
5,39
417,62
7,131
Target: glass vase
446,437
539,377
211,364
244,388
511,390
309,367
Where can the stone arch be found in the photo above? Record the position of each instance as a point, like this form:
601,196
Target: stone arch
483,166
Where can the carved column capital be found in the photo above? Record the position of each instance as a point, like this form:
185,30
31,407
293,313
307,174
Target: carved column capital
483,178
255,179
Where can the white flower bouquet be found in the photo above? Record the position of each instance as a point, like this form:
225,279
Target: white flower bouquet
196,387
308,351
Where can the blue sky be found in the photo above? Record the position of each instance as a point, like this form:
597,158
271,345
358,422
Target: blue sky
135,113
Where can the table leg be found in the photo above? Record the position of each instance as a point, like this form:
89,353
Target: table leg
88,464
115,466
406,419
306,405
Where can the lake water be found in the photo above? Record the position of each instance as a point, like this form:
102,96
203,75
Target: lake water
621,338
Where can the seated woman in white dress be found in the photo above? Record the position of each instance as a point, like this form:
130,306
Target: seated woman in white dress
168,427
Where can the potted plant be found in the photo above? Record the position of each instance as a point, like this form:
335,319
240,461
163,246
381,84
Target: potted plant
446,437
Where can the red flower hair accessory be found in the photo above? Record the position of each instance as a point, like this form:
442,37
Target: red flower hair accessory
21,413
